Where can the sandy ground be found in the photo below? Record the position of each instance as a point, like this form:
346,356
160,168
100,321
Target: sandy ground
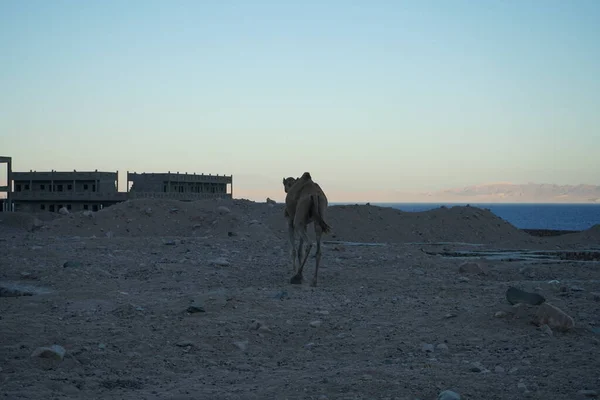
172,300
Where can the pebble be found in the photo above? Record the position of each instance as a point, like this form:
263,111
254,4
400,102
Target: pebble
223,210
195,309
242,345
546,330
463,279
55,352
72,264
220,261
315,324
442,347
449,315
427,347
448,395
500,314
588,393
522,387
499,369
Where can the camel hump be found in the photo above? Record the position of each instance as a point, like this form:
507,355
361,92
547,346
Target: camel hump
306,175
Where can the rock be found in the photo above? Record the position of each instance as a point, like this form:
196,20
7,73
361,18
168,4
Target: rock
184,343
315,324
242,345
547,330
27,275
499,370
450,315
442,347
577,288
554,317
63,211
220,261
448,395
270,201
595,296
195,309
427,347
257,325
54,352
72,264
88,214
585,393
223,210
478,367
148,211
471,267
522,387
500,314
516,296
463,279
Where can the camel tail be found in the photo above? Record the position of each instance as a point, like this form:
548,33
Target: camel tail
316,212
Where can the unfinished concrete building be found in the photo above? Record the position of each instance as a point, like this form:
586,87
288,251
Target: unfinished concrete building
185,187
76,191
6,199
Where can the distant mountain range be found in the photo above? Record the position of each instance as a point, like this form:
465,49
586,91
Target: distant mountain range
517,193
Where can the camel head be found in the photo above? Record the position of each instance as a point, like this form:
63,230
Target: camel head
288,183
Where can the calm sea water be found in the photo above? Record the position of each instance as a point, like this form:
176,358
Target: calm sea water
526,216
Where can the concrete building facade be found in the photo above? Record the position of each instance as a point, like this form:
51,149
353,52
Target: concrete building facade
76,191
6,201
50,191
186,187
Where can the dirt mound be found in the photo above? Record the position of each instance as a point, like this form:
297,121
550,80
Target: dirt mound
361,223
158,217
20,220
384,224
588,236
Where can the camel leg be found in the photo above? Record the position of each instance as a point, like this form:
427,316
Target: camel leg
291,232
318,233
297,279
300,244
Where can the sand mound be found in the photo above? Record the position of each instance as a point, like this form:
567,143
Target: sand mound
158,217
19,220
261,221
384,224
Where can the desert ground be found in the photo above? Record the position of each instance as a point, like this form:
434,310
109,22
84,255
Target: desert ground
156,299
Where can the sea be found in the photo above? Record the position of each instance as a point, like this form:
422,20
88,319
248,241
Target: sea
570,217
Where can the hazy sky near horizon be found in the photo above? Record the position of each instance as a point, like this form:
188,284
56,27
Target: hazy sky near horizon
367,96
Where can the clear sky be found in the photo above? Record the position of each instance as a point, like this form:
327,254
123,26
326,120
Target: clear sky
369,96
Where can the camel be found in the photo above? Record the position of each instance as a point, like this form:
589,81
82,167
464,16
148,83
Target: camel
305,202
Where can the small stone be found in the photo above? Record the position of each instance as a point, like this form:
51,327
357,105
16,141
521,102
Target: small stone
88,214
595,296
450,315
448,395
427,347
513,370
500,314
223,210
546,330
242,345
172,243
323,397
587,393
184,343
315,324
499,370
577,288
102,346
195,309
463,279
72,264
470,267
55,352
220,261
63,211
442,347
27,275
522,387
554,317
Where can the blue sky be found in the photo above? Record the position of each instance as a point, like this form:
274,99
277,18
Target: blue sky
369,97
